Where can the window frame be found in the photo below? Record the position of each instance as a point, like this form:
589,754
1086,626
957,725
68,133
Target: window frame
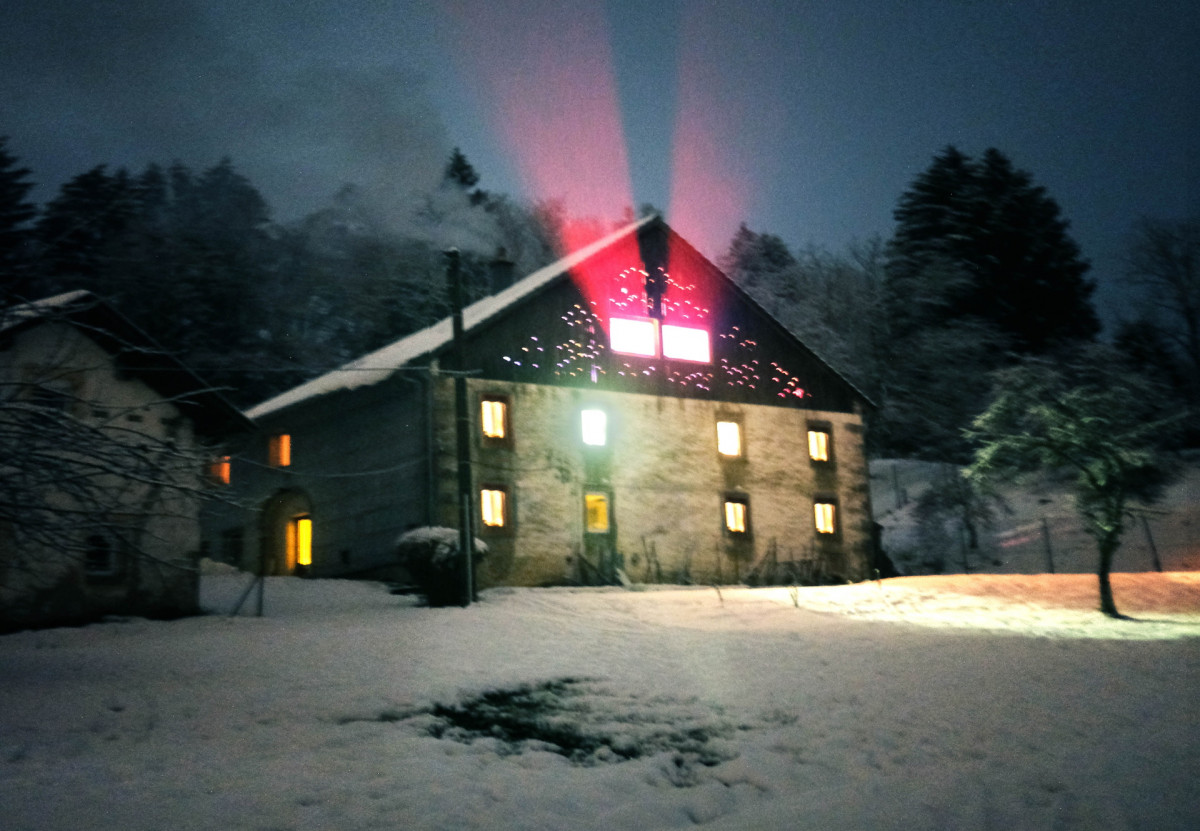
507,515
586,429
740,436
821,428
505,437
279,450
588,528
831,502
743,500
115,560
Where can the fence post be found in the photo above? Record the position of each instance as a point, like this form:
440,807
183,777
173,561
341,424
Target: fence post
1049,548
1153,548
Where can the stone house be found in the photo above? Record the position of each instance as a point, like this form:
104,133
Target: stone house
105,445
632,413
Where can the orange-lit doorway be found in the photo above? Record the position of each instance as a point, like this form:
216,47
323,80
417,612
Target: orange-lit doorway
286,535
298,543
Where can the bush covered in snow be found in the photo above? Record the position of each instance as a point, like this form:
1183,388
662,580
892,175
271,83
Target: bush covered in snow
430,556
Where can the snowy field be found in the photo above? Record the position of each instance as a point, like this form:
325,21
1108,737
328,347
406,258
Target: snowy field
994,702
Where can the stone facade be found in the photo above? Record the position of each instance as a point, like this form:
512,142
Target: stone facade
665,484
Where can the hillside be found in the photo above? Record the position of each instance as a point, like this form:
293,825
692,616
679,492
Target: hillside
1028,515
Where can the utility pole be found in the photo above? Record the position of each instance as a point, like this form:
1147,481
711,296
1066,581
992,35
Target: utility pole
462,420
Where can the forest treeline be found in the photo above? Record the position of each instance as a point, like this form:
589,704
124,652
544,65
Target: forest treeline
980,274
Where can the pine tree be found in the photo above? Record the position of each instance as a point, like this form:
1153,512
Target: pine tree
15,215
978,239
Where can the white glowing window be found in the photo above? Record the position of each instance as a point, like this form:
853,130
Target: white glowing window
596,510
735,516
633,336
825,516
594,424
493,414
729,438
818,445
492,507
686,344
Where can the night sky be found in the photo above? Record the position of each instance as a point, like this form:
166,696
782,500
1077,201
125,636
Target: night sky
803,119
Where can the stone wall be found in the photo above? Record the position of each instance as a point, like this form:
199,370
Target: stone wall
666,485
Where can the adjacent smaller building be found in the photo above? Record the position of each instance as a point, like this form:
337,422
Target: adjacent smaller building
108,445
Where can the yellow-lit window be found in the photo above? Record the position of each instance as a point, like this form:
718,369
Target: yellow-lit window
818,445
736,519
825,514
493,507
299,541
279,450
594,425
219,470
493,418
596,510
729,438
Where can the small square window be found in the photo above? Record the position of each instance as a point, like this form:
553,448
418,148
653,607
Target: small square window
594,425
596,510
819,444
279,450
729,438
493,504
219,470
99,557
825,516
493,418
737,515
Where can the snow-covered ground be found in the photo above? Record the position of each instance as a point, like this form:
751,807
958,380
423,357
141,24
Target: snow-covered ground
998,702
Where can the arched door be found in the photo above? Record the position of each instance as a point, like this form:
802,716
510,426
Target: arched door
287,533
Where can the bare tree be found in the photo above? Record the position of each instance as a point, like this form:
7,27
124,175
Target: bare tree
1164,259
101,474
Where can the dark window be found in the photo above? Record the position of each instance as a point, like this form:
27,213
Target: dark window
99,557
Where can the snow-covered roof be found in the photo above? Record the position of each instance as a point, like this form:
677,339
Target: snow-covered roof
67,301
384,362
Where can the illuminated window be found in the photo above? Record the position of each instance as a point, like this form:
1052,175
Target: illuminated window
633,336
729,438
641,336
594,424
219,470
493,418
686,344
818,444
299,541
825,514
279,450
596,512
737,515
493,505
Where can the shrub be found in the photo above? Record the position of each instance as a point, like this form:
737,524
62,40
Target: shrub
430,556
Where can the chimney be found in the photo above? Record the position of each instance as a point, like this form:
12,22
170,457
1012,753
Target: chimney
652,245
501,271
